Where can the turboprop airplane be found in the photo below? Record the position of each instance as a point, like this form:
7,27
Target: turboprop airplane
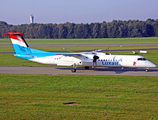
87,59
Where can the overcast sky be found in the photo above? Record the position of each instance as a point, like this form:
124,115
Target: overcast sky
18,12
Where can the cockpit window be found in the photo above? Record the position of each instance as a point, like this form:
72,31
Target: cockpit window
141,59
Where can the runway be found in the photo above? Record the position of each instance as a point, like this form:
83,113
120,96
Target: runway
80,71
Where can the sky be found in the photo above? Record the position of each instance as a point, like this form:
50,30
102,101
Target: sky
17,12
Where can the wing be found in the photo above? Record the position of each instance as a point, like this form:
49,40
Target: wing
72,54
82,53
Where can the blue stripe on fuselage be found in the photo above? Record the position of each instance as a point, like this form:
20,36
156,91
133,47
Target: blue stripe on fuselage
30,53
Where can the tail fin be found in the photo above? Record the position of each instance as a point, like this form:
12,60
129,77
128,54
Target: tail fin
19,43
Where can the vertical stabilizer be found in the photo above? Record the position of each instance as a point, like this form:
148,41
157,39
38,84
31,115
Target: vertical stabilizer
19,43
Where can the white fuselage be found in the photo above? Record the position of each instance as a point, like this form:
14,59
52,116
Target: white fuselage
103,61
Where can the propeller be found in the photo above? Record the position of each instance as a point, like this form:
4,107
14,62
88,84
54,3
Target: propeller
95,57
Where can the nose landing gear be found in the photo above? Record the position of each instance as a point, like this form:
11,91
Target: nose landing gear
147,70
73,70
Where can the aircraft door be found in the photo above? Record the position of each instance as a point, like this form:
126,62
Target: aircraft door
52,60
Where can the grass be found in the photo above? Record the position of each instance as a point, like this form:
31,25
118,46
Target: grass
87,41
96,97
6,49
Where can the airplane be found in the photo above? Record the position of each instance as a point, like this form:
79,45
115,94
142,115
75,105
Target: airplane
88,59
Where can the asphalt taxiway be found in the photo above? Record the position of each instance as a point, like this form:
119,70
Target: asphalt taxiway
80,71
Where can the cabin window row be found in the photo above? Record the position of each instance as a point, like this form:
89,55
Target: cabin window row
105,60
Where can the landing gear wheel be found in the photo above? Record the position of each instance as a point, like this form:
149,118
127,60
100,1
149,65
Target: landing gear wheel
146,70
86,67
73,70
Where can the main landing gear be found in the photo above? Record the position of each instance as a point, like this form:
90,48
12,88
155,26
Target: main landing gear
147,70
73,70
86,67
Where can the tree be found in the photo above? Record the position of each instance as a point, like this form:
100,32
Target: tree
62,31
87,31
96,30
155,27
80,31
71,30
114,29
103,30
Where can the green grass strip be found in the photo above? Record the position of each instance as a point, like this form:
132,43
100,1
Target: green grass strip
88,41
92,97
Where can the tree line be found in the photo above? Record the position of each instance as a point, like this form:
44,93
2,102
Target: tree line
114,29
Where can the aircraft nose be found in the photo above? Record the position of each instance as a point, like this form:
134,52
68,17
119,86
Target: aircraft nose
152,64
